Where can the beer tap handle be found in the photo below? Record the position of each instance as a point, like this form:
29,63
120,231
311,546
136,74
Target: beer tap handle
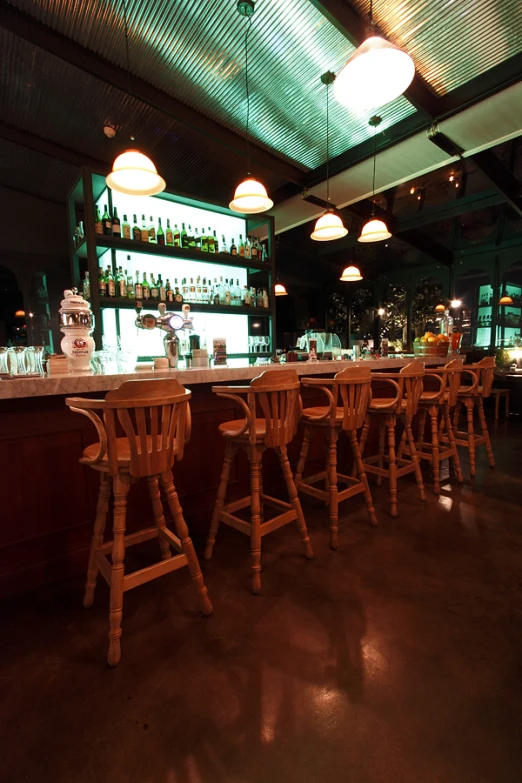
162,307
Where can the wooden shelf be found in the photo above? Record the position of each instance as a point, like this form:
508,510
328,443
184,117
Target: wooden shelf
104,243
152,304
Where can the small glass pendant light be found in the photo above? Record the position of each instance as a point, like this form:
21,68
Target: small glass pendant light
329,226
280,290
505,299
374,230
351,274
133,172
250,196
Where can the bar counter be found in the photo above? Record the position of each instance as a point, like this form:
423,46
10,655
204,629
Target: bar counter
49,504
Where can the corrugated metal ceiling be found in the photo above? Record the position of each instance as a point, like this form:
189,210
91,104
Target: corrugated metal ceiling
451,41
34,173
194,50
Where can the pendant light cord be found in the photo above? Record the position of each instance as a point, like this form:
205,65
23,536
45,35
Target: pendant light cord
127,59
374,163
327,147
247,95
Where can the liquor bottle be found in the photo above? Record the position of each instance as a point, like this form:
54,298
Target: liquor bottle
160,235
111,284
125,228
136,230
184,289
227,289
144,230
102,283
241,246
145,286
98,225
253,248
154,290
152,230
253,297
162,290
224,248
138,288
216,242
204,241
205,294
130,285
116,225
86,287
210,241
169,234
190,237
197,240
106,222
245,296
248,248
180,239
192,290
259,297
122,283
265,297
237,294
199,290
169,291
178,296
215,292
233,248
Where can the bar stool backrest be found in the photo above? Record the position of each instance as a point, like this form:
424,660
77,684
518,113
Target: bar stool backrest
487,369
155,416
274,396
411,384
354,386
455,368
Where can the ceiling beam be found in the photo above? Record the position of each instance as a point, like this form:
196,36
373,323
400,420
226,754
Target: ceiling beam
450,210
49,148
500,177
25,26
355,30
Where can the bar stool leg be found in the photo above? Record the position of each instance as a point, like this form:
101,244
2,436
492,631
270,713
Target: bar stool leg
255,520
471,435
422,428
485,432
456,414
403,443
97,538
392,464
451,438
230,451
331,470
408,434
121,485
327,475
380,461
294,500
362,442
302,456
159,516
497,405
361,474
435,459
167,483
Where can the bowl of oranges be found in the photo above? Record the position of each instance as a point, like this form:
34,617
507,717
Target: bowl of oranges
431,345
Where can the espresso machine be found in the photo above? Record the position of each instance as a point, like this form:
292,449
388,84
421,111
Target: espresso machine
171,323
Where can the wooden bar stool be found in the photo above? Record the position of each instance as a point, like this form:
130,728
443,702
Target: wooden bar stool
481,375
155,417
497,394
346,415
408,385
272,411
441,401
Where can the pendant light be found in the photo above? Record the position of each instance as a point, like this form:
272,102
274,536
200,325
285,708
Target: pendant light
133,173
351,274
280,290
329,226
440,308
505,299
376,73
250,196
374,230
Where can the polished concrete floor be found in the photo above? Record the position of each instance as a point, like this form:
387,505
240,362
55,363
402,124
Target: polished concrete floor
396,658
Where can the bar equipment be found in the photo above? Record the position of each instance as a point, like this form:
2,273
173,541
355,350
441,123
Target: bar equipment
171,323
77,324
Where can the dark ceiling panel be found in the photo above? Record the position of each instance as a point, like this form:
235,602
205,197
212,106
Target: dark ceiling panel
34,173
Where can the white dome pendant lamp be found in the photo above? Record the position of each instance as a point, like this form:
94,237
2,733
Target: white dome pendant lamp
133,173
329,226
374,230
376,73
250,196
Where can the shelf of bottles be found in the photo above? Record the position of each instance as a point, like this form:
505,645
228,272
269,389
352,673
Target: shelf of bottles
176,250
509,319
484,316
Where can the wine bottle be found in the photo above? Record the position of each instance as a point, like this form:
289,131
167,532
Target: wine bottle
197,240
136,230
145,286
152,231
111,284
184,237
176,236
248,248
204,241
102,283
106,222
98,225
130,284
138,288
160,236
116,225
154,289
169,291
210,241
241,247
125,228
253,248
144,230
122,283
162,290
190,237
169,234
216,242
233,248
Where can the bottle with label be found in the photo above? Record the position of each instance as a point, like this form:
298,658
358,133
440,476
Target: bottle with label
146,287
197,240
210,241
265,297
192,290
111,283
178,296
106,222
224,248
169,291
233,248
160,236
253,248
199,290
215,292
122,283
259,297
237,294
144,230
86,287
136,230
98,225
162,290
184,289
182,237
227,290
152,230
130,285
190,237
116,225
125,228
248,248
138,288
169,234
204,241
245,296
154,289
102,282
216,242
241,248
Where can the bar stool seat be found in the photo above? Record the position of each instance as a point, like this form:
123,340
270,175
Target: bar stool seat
275,394
472,396
319,415
155,416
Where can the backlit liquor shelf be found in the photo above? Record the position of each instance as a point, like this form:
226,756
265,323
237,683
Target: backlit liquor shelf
238,325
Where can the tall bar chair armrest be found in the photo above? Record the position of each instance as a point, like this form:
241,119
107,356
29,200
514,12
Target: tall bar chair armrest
322,384
394,402
442,385
219,390
230,389
84,402
318,381
100,429
474,375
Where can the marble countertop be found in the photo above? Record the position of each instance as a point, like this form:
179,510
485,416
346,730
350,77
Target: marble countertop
87,384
